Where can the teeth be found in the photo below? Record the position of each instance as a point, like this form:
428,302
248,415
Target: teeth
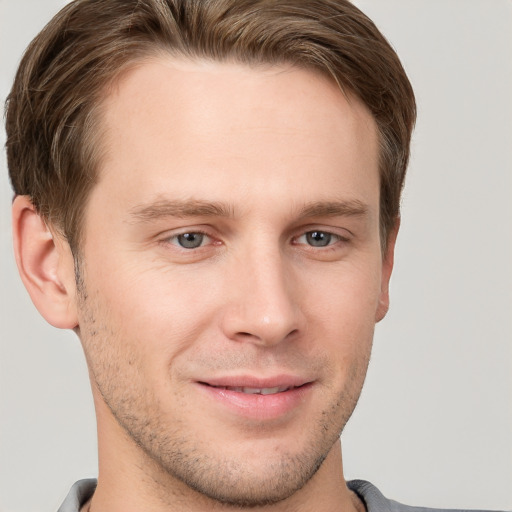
253,391
259,391
269,391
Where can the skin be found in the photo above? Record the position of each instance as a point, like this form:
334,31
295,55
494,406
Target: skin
253,161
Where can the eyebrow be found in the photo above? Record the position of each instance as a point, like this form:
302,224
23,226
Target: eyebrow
350,208
181,209
197,208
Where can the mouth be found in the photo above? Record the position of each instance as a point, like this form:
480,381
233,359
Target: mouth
255,391
258,399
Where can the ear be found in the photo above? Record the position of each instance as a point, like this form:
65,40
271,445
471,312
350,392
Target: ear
45,264
387,268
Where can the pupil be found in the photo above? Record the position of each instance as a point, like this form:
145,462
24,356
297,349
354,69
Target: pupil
190,240
318,238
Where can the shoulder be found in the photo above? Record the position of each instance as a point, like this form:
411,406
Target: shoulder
375,501
78,495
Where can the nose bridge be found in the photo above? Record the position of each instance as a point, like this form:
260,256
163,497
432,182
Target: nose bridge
264,308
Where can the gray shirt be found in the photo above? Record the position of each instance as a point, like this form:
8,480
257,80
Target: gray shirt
369,494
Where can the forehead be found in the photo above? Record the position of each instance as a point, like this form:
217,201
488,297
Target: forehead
199,127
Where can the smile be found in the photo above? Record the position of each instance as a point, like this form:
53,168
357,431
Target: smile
255,399
257,391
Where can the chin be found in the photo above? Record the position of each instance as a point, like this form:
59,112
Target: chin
241,485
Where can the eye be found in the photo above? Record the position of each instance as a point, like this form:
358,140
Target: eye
191,240
318,238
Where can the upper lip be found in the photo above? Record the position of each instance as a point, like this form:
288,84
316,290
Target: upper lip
248,381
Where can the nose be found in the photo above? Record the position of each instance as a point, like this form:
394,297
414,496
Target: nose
264,304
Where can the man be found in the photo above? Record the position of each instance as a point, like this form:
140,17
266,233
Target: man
210,200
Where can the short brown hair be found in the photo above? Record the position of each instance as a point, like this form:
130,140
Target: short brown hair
53,109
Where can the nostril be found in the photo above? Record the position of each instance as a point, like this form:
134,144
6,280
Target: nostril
244,335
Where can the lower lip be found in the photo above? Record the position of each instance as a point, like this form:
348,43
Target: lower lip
259,407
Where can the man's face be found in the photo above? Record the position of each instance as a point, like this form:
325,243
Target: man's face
232,273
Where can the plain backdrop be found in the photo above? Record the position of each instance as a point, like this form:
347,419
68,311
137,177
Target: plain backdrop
434,424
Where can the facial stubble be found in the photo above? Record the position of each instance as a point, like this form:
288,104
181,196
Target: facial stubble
175,458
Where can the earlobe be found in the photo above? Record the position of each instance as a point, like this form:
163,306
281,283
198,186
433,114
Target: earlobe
387,268
45,264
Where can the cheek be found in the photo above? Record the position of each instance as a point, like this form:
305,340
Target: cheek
345,297
160,311
345,313
157,313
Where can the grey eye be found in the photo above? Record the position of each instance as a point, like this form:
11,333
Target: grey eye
318,238
190,240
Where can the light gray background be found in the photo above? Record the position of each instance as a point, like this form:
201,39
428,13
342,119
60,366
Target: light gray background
434,424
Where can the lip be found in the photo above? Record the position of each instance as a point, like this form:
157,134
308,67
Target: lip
257,406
